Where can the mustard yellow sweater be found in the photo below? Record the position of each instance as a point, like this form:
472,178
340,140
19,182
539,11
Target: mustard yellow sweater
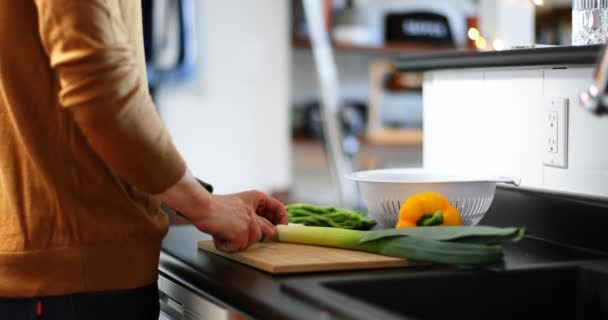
81,149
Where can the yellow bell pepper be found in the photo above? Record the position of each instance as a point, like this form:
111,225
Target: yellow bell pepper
428,209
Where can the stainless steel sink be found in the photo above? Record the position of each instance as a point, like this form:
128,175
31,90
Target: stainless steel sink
553,292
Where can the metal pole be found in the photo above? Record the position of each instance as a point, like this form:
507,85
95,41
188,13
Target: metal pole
327,74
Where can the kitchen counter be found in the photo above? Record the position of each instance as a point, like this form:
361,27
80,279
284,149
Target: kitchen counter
227,283
554,56
260,295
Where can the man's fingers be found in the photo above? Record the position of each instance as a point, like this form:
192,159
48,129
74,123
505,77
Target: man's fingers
267,223
255,231
273,210
268,229
226,245
283,217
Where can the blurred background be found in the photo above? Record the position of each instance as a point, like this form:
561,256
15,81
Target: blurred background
236,82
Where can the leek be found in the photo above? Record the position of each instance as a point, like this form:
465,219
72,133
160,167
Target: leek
443,244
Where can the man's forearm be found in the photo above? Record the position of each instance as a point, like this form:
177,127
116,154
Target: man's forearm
187,196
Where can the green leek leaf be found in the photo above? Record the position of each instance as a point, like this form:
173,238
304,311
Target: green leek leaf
473,234
434,251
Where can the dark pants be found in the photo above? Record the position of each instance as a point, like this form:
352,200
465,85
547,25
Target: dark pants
133,304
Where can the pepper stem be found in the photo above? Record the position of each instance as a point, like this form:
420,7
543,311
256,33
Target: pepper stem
431,220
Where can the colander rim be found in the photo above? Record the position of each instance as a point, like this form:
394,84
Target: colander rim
446,177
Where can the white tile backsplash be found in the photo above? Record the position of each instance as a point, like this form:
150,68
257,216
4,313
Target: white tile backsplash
490,122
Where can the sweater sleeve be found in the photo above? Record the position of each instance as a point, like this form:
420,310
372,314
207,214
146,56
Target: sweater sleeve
102,85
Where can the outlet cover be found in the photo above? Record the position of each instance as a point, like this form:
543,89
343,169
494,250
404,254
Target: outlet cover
555,127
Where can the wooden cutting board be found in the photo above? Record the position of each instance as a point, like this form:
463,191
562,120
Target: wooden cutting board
278,257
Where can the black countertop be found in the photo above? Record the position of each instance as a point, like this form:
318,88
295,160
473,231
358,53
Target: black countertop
229,284
554,56
264,296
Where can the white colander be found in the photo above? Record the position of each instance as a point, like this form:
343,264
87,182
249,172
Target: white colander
383,192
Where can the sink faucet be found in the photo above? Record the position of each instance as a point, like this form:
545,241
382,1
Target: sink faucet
595,99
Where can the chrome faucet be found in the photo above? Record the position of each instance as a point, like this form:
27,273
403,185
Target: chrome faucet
595,99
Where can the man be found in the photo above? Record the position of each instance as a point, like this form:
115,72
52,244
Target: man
85,163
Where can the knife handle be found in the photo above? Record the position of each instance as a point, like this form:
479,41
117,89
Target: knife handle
205,185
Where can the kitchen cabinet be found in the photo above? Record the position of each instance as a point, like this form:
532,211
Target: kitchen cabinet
177,302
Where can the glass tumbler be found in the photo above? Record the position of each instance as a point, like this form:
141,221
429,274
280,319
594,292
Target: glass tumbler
589,22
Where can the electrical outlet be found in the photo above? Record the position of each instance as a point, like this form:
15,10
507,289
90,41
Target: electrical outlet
552,132
555,124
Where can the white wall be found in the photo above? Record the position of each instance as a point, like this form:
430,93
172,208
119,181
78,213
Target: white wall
490,122
511,21
231,123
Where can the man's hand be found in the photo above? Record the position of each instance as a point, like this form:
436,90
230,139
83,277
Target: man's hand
235,221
